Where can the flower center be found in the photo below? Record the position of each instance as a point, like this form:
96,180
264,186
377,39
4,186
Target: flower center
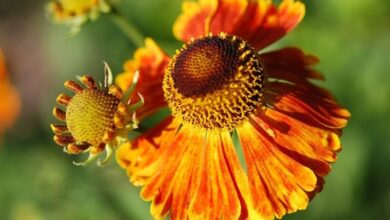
90,114
214,82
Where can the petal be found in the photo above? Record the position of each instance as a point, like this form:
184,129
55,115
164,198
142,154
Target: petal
141,152
312,146
215,194
291,64
171,186
191,174
227,15
151,63
290,90
306,105
279,184
194,20
270,23
259,22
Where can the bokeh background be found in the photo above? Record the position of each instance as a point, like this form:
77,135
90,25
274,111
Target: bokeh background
38,181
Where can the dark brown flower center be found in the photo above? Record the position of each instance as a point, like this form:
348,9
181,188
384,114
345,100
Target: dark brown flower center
214,82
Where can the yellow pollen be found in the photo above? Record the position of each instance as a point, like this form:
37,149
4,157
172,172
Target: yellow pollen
90,114
214,82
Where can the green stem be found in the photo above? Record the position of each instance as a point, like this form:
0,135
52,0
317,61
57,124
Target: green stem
127,28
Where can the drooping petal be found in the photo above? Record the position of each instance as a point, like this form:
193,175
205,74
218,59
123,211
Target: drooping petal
171,186
151,63
194,20
144,150
278,183
215,195
297,96
291,64
307,105
312,146
190,174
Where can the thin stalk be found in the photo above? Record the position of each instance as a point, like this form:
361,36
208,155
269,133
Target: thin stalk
127,28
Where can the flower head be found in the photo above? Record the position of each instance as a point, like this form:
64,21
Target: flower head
9,98
96,117
221,88
76,12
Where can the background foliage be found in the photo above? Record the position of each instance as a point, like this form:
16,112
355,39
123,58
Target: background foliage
38,181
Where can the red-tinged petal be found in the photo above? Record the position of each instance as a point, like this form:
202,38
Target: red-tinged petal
253,17
227,15
194,20
172,183
312,104
215,191
312,146
290,64
276,22
279,184
151,63
138,154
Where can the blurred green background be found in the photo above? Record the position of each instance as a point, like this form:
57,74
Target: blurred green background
38,181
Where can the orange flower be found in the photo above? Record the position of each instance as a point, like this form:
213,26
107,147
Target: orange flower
9,98
228,100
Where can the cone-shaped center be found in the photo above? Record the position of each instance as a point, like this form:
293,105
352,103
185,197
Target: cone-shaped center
214,82
90,115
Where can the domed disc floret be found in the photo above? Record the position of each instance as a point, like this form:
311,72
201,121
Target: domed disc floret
214,82
97,117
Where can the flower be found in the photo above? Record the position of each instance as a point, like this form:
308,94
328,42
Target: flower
9,98
76,12
97,117
228,99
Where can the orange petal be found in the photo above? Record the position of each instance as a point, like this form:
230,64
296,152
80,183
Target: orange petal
9,98
151,63
194,20
216,192
312,105
300,98
263,23
172,182
191,174
259,22
310,145
135,156
290,64
279,184
227,15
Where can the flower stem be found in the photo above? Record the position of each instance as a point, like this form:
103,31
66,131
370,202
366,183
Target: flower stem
127,28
